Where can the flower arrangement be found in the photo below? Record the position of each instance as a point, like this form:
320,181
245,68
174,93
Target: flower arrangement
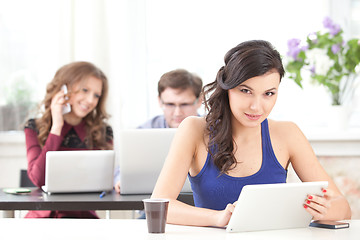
330,60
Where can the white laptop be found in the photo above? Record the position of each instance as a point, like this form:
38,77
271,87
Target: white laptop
141,158
79,171
273,206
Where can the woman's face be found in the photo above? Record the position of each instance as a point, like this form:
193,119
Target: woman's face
252,101
84,97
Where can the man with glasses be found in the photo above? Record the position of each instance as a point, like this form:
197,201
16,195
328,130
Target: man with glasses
179,97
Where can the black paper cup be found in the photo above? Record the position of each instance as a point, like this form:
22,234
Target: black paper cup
156,214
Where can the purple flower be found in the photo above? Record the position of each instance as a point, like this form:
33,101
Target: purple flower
333,28
312,70
304,48
293,43
335,48
294,49
327,22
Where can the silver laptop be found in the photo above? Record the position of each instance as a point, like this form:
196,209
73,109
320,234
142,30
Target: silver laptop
79,171
273,206
141,158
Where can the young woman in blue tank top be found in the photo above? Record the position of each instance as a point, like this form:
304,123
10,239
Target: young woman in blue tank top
236,145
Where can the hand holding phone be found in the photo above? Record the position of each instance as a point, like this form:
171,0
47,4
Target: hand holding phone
67,108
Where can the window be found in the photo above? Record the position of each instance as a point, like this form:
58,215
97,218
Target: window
355,18
36,38
30,43
136,41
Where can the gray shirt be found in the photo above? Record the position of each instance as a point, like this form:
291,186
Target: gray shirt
156,122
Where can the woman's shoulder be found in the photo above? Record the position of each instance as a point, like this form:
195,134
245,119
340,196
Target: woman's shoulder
286,138
284,128
278,123
193,123
193,126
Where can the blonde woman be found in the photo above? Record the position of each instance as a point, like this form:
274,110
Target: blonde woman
73,119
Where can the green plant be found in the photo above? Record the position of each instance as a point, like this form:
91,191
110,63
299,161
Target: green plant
17,102
330,60
18,90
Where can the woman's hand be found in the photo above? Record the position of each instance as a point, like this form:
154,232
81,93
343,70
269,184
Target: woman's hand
318,206
57,104
225,215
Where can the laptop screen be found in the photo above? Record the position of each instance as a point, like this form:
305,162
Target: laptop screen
142,155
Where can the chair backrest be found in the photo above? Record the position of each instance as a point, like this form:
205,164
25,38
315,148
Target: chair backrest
24,179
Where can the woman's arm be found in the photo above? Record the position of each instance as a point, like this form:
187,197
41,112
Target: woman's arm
182,156
333,206
36,155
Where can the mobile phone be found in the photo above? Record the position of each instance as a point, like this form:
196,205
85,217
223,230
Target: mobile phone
67,108
329,224
16,190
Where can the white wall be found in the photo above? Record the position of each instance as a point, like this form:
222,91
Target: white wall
136,41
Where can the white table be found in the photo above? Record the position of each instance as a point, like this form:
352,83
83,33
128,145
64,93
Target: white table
19,228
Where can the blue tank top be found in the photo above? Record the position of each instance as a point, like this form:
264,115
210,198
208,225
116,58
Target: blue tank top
214,191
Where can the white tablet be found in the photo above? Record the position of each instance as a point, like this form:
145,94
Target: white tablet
273,206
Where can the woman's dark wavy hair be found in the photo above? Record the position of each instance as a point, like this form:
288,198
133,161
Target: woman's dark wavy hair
247,60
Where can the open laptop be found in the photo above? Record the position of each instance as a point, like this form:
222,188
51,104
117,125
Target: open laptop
79,171
273,206
141,158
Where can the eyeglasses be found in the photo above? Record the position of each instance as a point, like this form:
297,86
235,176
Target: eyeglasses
172,106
